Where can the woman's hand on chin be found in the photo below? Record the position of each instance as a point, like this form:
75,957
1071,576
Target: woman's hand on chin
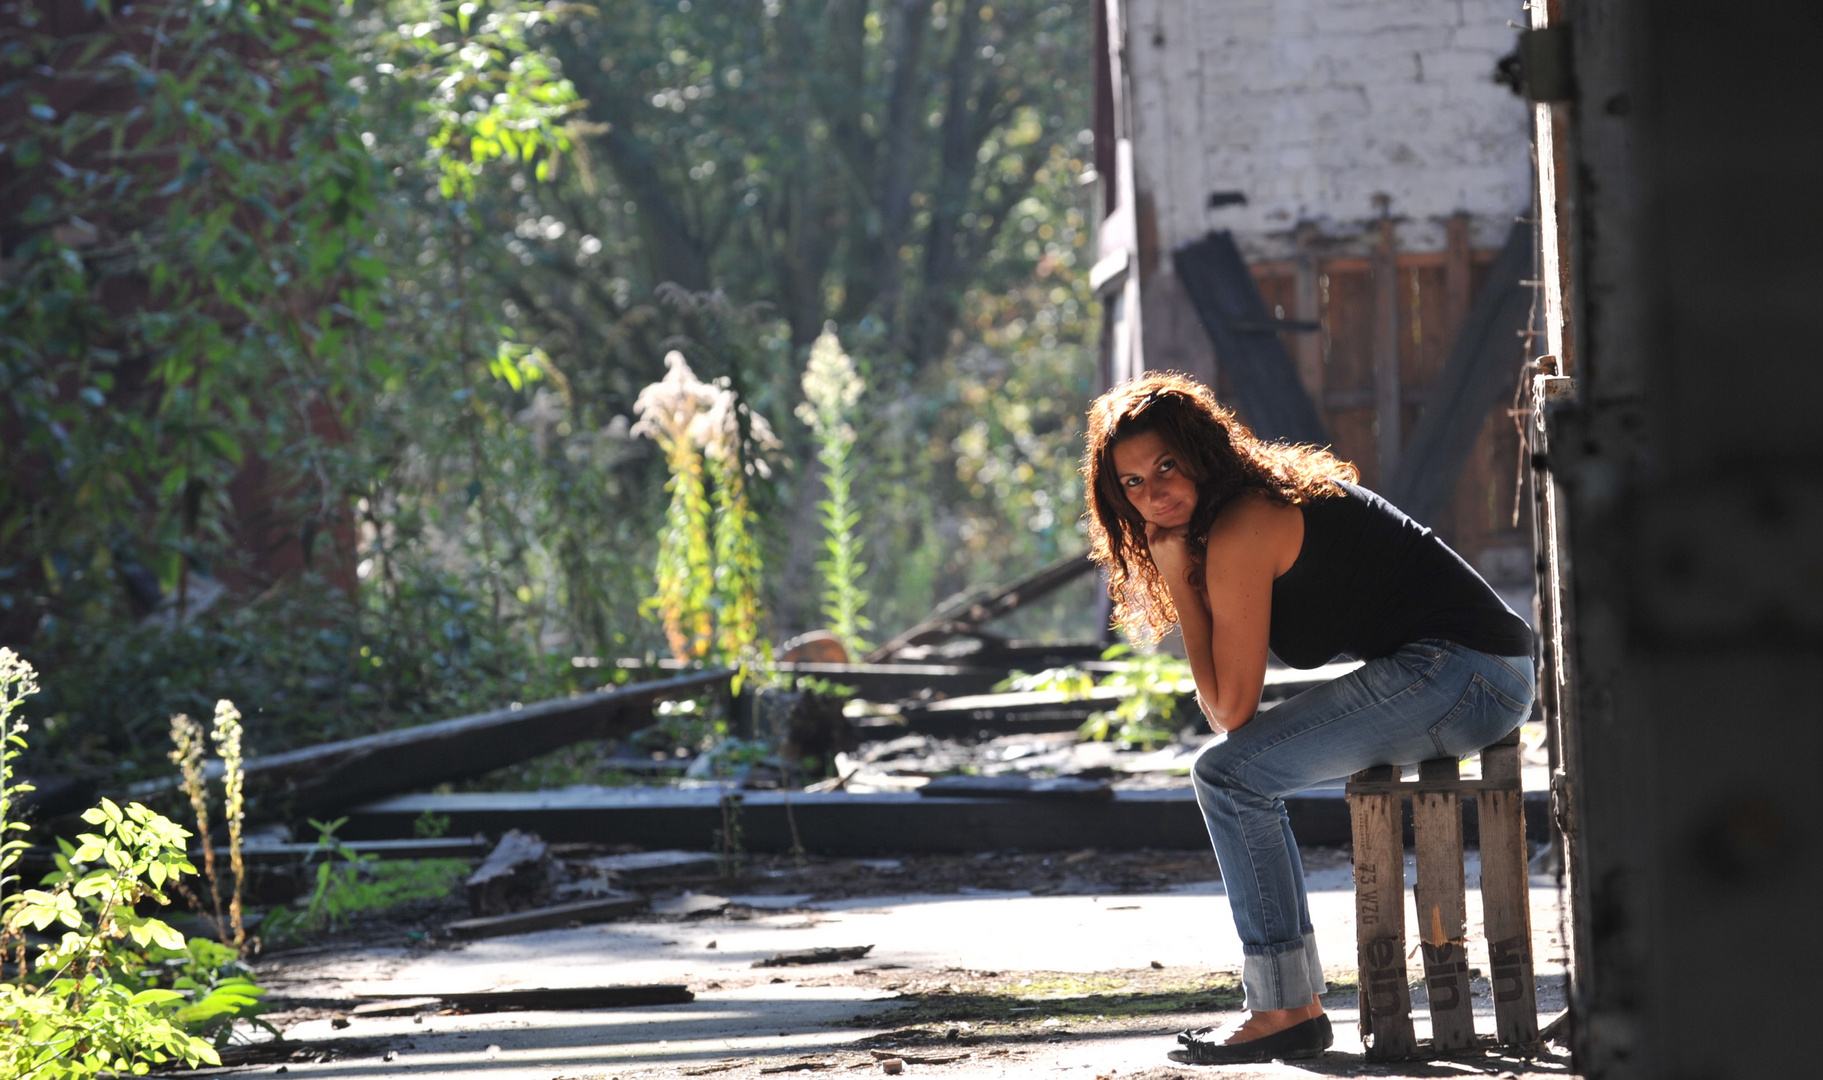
1169,550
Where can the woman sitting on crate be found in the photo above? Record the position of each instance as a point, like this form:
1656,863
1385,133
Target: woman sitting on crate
1249,545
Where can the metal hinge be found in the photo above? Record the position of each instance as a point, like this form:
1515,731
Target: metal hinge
1546,73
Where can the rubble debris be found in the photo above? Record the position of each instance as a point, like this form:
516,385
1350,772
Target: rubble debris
824,955
554,917
562,997
516,874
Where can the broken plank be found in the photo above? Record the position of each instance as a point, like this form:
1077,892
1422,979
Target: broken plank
560,997
334,775
824,955
557,916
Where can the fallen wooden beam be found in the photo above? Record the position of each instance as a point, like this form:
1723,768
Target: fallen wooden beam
561,997
555,917
974,612
847,823
1066,788
318,779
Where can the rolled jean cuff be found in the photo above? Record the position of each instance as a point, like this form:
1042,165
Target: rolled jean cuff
1282,976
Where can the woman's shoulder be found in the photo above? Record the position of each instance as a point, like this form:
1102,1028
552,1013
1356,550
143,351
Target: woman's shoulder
1255,523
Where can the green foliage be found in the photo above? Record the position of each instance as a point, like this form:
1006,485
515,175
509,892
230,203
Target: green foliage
1150,686
230,194
708,574
832,389
17,682
488,94
94,1004
1073,682
349,883
428,358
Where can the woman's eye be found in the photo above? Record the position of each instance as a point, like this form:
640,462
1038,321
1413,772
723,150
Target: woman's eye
1166,466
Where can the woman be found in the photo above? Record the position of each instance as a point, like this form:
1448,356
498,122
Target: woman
1246,546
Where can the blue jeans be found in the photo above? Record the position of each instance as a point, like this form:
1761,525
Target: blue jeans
1430,699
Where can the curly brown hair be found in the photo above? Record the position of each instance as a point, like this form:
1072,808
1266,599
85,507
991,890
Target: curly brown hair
1215,451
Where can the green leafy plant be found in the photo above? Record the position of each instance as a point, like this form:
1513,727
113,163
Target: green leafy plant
1150,686
1073,682
88,1007
17,682
832,389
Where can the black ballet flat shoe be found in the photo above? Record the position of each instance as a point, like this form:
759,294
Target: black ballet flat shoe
1305,1040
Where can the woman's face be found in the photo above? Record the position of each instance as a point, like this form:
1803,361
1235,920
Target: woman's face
1148,471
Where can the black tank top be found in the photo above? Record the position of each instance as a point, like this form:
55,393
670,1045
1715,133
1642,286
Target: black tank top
1369,580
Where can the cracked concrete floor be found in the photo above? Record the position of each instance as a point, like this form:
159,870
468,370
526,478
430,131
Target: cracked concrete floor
1081,985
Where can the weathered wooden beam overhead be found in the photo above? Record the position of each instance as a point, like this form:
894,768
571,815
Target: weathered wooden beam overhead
1247,345
1483,367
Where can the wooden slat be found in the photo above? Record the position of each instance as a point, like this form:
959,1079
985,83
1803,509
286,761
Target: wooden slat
1483,366
1388,406
1442,908
1505,900
1386,1005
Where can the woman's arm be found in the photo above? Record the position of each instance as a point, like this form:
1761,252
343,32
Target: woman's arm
1170,553
1253,541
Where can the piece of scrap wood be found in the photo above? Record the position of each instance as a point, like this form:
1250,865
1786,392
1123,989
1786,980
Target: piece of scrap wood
651,865
825,955
1017,787
599,909
517,873
691,905
400,1007
913,1059
801,1066
562,997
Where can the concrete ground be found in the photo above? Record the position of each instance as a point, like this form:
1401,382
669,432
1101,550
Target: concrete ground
969,984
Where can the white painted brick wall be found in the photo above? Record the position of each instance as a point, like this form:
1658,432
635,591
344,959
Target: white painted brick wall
1311,107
